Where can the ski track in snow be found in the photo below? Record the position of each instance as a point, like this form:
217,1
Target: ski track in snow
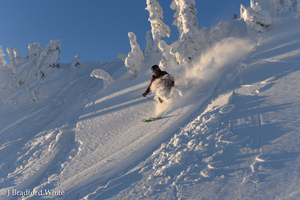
227,146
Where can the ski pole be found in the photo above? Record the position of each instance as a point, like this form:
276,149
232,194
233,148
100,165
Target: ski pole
150,99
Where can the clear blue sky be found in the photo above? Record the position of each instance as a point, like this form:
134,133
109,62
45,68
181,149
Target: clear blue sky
95,29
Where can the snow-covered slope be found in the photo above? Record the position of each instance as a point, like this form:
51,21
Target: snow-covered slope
234,134
243,145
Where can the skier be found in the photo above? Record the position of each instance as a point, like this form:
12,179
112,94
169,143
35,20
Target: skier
234,16
166,81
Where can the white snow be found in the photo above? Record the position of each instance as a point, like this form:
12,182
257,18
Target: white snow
231,130
135,57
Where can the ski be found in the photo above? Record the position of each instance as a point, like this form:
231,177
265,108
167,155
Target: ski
151,119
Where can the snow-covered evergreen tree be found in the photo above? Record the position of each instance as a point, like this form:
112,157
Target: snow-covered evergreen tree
191,38
159,28
177,20
3,62
34,49
257,18
289,4
277,7
148,48
51,59
168,59
135,58
41,58
11,59
53,46
254,5
274,7
17,55
75,62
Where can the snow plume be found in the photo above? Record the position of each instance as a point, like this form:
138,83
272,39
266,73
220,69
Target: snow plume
162,91
135,58
259,19
101,74
223,54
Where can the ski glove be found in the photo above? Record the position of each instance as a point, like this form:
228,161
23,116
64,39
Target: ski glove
145,94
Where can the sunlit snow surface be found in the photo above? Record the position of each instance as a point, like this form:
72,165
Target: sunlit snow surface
230,133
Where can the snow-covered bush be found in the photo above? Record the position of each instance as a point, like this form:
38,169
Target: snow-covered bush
34,49
159,28
75,62
101,74
2,60
257,18
191,38
135,58
148,48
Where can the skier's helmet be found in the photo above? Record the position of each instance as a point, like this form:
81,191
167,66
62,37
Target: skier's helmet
155,68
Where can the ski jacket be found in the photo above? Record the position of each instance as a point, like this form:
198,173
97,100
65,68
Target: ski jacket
158,75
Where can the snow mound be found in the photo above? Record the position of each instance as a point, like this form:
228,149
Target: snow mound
101,74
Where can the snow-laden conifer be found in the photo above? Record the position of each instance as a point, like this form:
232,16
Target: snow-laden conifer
17,55
11,59
159,28
34,49
135,58
75,62
168,59
53,46
177,20
41,58
274,7
149,41
255,6
2,60
289,4
257,18
191,39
